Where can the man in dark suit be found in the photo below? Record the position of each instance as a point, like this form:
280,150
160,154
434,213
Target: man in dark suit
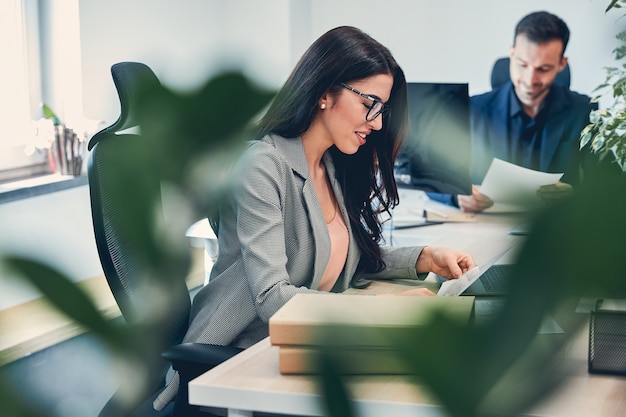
529,121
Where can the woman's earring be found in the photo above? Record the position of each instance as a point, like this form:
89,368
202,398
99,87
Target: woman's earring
323,106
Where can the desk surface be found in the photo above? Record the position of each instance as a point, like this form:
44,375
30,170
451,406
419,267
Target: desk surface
251,380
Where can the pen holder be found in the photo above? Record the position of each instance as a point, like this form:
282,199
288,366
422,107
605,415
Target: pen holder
67,152
607,341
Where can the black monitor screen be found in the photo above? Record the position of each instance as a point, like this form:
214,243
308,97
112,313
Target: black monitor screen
436,154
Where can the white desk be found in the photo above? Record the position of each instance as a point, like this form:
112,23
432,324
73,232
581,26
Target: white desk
251,380
482,238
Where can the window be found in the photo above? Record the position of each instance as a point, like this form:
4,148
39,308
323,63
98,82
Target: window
19,153
40,46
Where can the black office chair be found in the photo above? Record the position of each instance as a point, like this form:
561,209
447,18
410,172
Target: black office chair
500,74
125,198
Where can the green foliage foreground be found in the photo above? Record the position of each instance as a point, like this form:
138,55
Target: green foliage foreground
188,140
501,367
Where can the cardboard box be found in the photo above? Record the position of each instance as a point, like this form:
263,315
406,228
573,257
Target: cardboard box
355,361
359,320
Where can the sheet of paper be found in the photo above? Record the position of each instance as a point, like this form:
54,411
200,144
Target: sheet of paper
514,188
452,287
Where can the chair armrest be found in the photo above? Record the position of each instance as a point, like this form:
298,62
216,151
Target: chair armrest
197,358
191,360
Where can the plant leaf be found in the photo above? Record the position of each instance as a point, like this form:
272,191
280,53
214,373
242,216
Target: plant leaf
49,114
613,4
332,388
14,402
65,296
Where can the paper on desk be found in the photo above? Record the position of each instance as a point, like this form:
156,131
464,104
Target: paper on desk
457,286
514,188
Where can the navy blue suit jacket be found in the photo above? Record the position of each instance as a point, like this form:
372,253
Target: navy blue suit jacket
489,122
568,115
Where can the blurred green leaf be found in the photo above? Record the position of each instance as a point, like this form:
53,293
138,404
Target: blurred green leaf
614,4
332,388
467,367
65,296
13,402
187,141
503,366
189,126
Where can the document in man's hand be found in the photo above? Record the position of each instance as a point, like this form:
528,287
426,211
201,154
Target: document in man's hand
514,188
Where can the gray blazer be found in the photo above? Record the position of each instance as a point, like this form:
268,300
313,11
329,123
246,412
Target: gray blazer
273,244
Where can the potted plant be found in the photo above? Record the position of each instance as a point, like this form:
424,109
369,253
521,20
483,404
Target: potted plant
606,133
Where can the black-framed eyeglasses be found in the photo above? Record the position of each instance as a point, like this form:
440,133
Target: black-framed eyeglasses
377,107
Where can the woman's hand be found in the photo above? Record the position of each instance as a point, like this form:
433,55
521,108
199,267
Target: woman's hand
444,262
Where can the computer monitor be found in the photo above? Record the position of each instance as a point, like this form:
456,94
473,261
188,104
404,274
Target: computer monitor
437,152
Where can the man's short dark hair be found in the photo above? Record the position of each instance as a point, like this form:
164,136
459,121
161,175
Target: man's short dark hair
540,27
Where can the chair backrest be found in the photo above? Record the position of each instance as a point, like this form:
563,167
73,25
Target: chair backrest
500,74
125,203
130,79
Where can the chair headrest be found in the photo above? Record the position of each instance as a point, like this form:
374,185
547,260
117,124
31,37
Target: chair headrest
130,79
500,74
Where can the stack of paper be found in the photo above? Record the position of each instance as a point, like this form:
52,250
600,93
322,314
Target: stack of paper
360,329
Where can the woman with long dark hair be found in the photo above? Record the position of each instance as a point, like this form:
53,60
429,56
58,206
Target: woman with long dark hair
304,214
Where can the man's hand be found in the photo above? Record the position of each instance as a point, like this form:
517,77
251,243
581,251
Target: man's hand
554,192
475,202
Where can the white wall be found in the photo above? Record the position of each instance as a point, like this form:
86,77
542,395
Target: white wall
54,228
458,40
183,41
186,41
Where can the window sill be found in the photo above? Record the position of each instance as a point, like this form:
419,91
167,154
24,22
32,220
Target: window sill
32,187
